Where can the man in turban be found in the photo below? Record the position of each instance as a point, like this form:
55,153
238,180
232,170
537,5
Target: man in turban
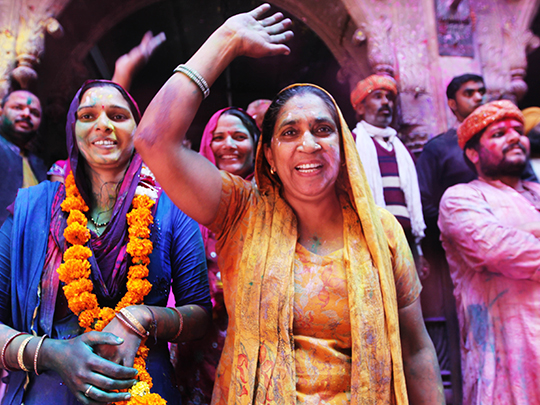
388,164
489,230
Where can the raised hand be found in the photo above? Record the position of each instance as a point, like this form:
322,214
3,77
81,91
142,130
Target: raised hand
256,36
89,377
129,64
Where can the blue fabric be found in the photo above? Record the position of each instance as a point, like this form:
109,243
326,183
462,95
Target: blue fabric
178,255
12,174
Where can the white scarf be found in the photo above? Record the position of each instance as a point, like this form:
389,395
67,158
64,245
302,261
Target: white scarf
407,172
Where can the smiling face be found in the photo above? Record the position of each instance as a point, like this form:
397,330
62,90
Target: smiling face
502,150
21,116
104,129
233,146
305,149
377,108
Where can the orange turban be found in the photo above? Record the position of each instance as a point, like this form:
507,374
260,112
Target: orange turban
484,116
532,118
370,84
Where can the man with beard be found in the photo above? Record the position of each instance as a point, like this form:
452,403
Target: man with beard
388,164
489,230
20,116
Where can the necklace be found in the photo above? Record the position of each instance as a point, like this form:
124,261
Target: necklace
99,224
76,269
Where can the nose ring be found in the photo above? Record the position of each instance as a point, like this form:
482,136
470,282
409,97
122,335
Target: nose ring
317,146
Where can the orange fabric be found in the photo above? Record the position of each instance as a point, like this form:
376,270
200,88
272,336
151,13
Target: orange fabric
370,84
257,235
532,118
484,116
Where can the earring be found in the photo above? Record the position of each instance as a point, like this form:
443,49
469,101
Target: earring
272,171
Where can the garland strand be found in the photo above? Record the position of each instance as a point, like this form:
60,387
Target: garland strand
75,273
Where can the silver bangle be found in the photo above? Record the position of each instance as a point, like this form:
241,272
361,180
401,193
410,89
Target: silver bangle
195,78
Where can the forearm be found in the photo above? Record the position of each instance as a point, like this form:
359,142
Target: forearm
423,377
181,94
167,323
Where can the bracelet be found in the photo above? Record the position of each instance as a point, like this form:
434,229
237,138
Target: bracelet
195,78
3,355
153,326
36,353
132,323
129,325
180,323
20,353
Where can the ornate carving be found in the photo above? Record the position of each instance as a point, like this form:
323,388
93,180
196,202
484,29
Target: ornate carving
454,28
516,44
380,50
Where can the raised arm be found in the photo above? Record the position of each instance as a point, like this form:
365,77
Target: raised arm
192,182
129,64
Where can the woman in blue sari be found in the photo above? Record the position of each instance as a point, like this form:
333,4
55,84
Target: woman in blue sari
108,174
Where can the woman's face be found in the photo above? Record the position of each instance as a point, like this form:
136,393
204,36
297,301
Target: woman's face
104,128
233,146
305,149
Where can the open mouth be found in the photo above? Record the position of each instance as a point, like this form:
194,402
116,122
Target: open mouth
104,143
309,168
228,157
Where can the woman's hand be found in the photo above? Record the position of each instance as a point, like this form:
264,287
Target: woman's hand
129,64
89,377
256,36
123,354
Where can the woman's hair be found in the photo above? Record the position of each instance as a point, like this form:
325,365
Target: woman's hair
285,95
132,105
248,122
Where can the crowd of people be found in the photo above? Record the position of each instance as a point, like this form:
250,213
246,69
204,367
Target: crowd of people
283,261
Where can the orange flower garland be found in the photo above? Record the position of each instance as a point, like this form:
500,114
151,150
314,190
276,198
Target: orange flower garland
75,273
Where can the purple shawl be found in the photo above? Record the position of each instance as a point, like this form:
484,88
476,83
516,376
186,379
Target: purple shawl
110,260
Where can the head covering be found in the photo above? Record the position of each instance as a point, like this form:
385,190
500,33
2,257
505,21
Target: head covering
484,116
369,85
208,134
109,262
532,118
206,141
263,352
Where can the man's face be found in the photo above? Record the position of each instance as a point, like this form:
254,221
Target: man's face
502,151
469,97
377,108
20,117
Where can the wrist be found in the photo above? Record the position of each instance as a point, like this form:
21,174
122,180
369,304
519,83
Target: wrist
142,314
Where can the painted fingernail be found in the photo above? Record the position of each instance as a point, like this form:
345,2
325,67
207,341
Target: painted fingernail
127,397
119,340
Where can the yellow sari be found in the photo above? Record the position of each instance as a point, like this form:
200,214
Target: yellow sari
257,236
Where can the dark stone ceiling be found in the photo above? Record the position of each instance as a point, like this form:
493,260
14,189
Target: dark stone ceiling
187,25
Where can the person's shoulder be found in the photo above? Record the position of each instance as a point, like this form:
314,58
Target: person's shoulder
460,193
442,139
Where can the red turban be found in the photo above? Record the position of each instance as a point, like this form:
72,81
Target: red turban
486,115
532,118
370,84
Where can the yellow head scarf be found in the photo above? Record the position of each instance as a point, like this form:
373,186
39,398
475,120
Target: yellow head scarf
263,370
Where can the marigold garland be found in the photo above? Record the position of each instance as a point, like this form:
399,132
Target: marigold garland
76,269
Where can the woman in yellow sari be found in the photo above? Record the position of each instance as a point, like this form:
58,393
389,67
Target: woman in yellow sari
319,283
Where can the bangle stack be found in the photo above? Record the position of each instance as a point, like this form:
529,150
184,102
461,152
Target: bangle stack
180,323
195,78
132,323
20,352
